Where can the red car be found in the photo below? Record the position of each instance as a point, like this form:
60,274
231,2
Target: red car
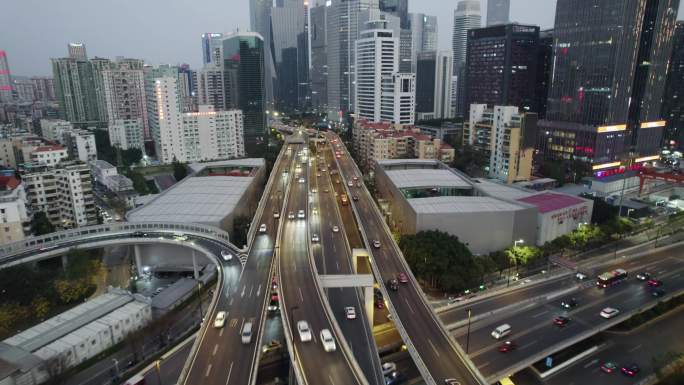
608,367
507,347
402,277
379,304
561,321
630,370
654,283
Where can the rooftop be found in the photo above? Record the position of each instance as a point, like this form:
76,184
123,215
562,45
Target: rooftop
49,148
454,204
198,199
548,201
103,164
248,162
500,190
426,178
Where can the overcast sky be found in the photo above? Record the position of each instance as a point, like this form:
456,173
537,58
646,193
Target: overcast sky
165,31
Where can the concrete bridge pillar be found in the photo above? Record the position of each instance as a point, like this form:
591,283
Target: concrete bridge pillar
138,258
65,261
195,269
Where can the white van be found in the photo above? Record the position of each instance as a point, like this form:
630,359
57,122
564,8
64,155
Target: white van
501,331
246,333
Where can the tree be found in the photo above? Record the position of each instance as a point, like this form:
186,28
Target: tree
41,307
40,224
179,171
131,156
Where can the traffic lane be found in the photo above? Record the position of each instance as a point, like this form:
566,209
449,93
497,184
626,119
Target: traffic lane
527,318
348,220
338,261
627,297
302,302
221,357
637,347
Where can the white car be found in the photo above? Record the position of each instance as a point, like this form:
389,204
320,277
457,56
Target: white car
314,238
350,312
609,312
376,244
314,190
388,367
290,215
226,255
220,319
350,184
262,228
300,214
336,229
276,214
328,341
304,331
301,180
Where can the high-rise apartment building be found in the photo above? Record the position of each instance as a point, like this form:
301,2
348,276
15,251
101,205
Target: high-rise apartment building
467,16
75,90
501,66
208,134
507,136
63,192
124,90
381,92
14,218
5,79
343,30
498,12
673,107
23,90
77,51
609,113
319,57
433,85
44,88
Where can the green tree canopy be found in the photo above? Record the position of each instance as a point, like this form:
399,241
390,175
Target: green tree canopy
40,224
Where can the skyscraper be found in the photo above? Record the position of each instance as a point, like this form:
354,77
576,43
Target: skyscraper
243,58
498,12
5,79
610,110
501,66
382,93
77,51
397,8
466,17
673,108
260,22
211,47
290,41
319,56
75,90
343,31
423,35
433,85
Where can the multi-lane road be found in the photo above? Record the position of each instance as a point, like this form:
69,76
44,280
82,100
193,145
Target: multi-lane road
333,256
221,357
533,330
435,352
300,298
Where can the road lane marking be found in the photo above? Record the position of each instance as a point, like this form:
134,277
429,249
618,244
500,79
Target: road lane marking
676,276
301,297
331,380
221,333
590,363
528,345
259,291
208,370
433,347
540,314
215,348
231,302
338,265
229,372
409,305
251,289
483,365
233,322
635,348
244,287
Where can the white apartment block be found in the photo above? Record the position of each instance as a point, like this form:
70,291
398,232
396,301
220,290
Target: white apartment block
212,135
80,145
53,129
49,155
208,134
127,133
399,98
64,193
124,92
14,219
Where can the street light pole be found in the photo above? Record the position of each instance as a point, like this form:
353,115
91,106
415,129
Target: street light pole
199,295
469,310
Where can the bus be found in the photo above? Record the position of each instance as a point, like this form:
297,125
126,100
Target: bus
611,278
344,199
